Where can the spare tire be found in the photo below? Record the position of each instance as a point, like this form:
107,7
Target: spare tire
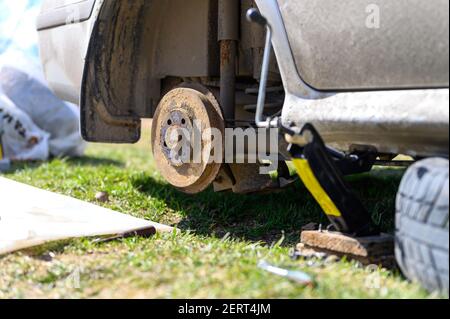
422,224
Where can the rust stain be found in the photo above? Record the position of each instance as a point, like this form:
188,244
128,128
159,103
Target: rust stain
225,52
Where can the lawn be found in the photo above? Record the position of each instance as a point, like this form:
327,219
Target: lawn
224,236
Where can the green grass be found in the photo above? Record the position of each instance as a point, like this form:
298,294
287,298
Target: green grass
224,236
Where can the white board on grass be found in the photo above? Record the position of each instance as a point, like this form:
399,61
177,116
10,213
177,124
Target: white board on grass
30,217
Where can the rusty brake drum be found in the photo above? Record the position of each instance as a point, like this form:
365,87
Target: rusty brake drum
180,111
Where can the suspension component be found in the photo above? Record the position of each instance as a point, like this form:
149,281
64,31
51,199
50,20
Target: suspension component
228,37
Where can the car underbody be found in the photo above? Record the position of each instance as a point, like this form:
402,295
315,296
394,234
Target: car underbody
134,53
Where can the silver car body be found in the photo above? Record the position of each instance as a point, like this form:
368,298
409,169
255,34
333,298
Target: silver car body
63,46
384,101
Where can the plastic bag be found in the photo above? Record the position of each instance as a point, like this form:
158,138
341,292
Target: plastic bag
47,111
23,83
20,138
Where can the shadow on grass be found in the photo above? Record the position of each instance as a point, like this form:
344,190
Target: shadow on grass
77,161
94,161
265,217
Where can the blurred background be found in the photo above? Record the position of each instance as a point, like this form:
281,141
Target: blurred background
35,125
18,36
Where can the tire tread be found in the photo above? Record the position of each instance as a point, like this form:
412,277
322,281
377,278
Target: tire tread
424,198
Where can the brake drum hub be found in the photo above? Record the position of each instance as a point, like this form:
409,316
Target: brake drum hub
173,126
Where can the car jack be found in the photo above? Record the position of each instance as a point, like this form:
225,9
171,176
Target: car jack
322,171
353,233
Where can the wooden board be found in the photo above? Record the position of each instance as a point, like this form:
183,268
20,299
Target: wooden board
31,217
368,250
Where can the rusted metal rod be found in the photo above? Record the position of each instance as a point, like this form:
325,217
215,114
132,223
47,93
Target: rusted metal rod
228,37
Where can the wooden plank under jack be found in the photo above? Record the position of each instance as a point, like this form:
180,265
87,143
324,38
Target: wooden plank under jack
30,217
377,250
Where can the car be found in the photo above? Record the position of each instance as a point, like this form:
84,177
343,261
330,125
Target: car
370,78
